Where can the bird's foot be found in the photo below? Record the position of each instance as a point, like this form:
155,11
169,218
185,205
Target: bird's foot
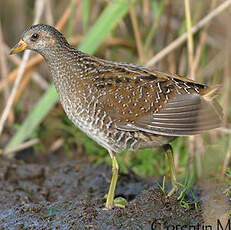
120,202
117,202
175,188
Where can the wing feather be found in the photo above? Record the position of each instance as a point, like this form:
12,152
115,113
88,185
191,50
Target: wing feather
185,115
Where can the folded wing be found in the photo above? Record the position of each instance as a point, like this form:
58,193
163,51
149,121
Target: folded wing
184,115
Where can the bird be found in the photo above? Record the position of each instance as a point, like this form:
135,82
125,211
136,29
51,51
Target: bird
123,106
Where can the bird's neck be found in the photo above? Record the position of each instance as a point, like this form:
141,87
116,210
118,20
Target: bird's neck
55,55
65,66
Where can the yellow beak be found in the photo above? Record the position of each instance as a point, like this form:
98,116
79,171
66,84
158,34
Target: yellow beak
18,47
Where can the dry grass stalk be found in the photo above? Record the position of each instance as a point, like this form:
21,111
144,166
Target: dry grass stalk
39,6
4,74
36,76
37,59
192,139
202,41
189,39
179,41
137,34
21,147
48,12
26,67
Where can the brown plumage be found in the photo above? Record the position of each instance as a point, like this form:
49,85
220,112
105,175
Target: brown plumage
123,106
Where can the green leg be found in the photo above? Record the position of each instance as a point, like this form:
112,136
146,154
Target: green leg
111,193
175,184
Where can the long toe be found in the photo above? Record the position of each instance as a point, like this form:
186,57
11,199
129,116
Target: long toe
176,187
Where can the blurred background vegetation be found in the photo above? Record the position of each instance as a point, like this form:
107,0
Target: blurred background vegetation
130,31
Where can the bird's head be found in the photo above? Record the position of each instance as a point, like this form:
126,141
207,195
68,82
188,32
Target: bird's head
39,38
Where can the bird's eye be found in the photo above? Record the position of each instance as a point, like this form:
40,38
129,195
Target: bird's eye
34,37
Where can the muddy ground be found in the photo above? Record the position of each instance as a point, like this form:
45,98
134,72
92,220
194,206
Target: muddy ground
58,193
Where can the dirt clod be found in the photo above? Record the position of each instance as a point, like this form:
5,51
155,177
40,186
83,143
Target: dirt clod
57,194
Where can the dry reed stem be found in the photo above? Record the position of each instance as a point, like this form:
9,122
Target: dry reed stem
3,64
199,49
189,39
196,146
168,32
21,147
56,145
23,85
193,151
39,6
41,82
177,42
227,74
28,75
202,40
13,58
61,23
33,62
226,100
38,59
48,13
37,78
27,79
4,74
137,34
225,130
146,10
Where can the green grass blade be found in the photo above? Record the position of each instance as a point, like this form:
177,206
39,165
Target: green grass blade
70,20
158,9
86,14
104,25
41,109
107,21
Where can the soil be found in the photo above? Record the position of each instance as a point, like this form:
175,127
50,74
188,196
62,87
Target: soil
58,193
